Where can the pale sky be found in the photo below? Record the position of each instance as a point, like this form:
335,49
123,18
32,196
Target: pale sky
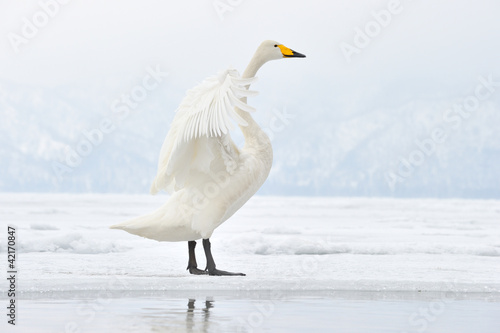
88,40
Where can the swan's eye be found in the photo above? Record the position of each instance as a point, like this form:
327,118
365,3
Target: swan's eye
275,45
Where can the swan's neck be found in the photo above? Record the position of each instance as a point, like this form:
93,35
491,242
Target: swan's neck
254,135
254,65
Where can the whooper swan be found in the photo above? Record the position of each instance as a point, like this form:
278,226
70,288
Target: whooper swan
208,177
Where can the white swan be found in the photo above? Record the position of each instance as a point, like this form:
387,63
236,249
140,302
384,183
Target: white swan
208,177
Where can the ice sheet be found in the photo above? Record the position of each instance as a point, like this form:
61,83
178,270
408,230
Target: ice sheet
292,243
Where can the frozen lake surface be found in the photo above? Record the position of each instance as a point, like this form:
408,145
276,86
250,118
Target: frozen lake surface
263,311
312,264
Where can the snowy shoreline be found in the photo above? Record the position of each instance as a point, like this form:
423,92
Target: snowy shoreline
290,244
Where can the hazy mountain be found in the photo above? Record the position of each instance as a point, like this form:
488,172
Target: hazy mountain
321,148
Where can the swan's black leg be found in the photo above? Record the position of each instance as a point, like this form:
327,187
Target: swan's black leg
211,263
192,265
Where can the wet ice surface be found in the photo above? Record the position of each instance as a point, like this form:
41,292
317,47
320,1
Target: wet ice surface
262,311
350,263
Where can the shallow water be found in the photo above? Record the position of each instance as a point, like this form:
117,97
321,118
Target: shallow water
263,311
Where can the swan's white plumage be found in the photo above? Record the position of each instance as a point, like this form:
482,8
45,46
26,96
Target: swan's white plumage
208,177
208,108
204,114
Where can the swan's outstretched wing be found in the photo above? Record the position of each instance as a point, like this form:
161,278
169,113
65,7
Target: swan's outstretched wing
198,144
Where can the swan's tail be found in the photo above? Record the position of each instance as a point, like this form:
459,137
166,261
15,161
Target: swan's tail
144,226
164,224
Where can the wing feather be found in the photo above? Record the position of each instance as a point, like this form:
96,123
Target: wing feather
199,136
205,109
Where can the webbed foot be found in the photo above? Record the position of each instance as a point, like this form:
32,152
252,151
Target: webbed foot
217,272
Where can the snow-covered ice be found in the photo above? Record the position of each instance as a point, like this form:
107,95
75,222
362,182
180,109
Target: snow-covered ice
285,243
307,248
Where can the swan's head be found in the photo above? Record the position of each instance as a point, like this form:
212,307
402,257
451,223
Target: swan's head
271,50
